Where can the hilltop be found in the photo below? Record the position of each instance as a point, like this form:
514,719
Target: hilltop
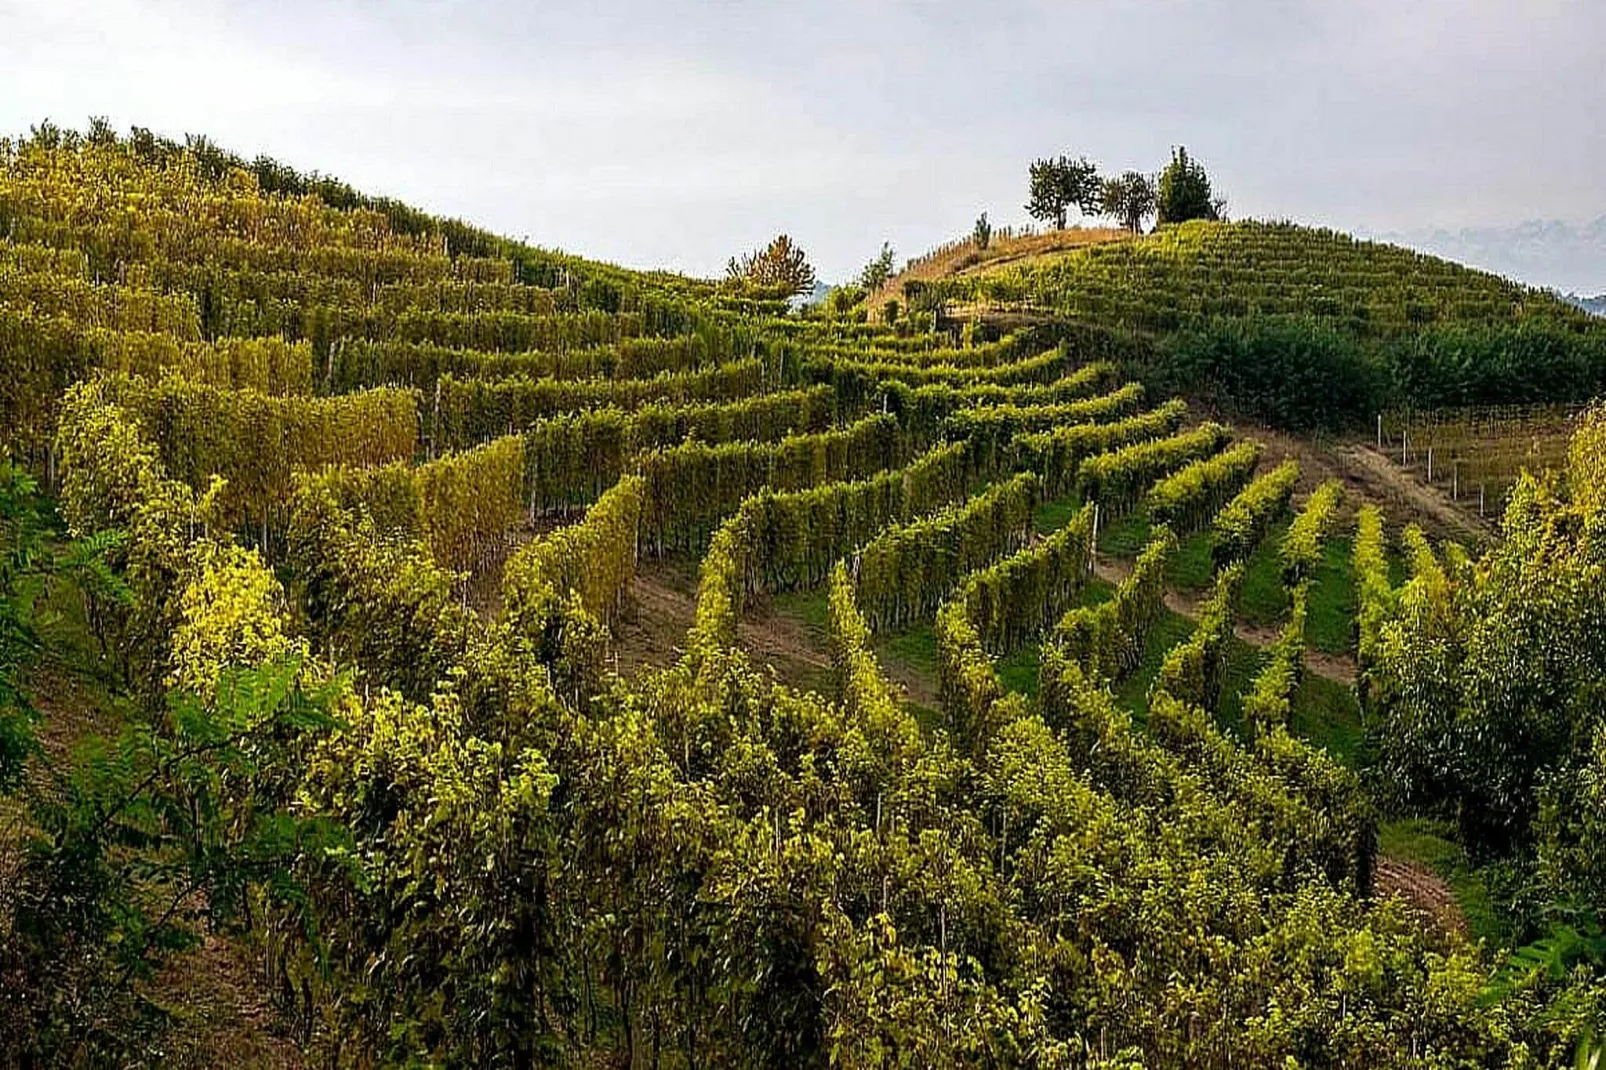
424,648
1301,327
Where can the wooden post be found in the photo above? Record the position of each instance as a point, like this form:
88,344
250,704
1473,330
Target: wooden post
1430,465
1380,432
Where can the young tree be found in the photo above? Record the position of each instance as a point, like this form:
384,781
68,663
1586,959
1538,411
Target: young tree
1059,185
1184,191
983,234
878,271
781,265
1129,198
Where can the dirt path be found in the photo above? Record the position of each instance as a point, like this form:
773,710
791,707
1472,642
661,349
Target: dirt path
1423,889
1430,506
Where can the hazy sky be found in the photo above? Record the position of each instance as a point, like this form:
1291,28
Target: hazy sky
672,133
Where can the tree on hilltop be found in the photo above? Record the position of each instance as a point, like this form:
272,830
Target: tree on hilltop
781,265
1059,185
1184,191
878,271
1129,198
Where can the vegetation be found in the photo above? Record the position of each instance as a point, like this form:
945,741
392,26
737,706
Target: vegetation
1307,328
1129,197
780,266
1058,185
1183,191
335,546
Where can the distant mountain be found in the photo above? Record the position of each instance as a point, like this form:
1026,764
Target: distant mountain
1566,257
1595,305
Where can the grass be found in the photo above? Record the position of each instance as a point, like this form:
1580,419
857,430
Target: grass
1133,692
1327,715
1191,568
811,607
1018,671
1243,662
1051,516
1430,843
1125,537
916,648
1263,600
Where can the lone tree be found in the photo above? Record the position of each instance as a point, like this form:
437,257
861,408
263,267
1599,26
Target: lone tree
1129,198
1184,191
780,266
1059,185
878,271
982,236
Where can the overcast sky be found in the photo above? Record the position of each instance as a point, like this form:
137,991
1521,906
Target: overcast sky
672,133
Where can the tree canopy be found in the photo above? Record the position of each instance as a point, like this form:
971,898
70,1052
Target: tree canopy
1130,198
1061,184
781,265
1184,192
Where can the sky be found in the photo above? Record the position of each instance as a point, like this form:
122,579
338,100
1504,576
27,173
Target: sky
671,133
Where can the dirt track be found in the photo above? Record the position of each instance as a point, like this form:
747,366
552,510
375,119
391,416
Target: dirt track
1423,889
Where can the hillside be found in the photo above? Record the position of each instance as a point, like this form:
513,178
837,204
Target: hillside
502,658
1300,327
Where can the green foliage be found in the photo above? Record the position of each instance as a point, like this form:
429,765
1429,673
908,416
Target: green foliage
463,506
993,429
1483,685
691,488
1184,193
1301,548
1058,185
466,413
1269,705
1058,453
982,235
1309,328
1374,593
1187,498
182,825
1192,672
32,562
876,274
545,863
572,459
1119,476
1130,198
904,574
1244,521
1022,595
1106,641
780,267
592,561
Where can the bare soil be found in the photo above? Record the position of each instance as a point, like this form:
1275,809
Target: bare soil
1423,889
1401,493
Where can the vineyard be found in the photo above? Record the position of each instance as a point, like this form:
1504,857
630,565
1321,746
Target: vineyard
1302,328
354,515
1476,455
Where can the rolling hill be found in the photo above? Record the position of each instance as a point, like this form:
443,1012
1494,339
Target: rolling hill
517,659
1298,326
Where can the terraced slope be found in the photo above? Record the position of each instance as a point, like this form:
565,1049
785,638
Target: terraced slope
1304,327
408,479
